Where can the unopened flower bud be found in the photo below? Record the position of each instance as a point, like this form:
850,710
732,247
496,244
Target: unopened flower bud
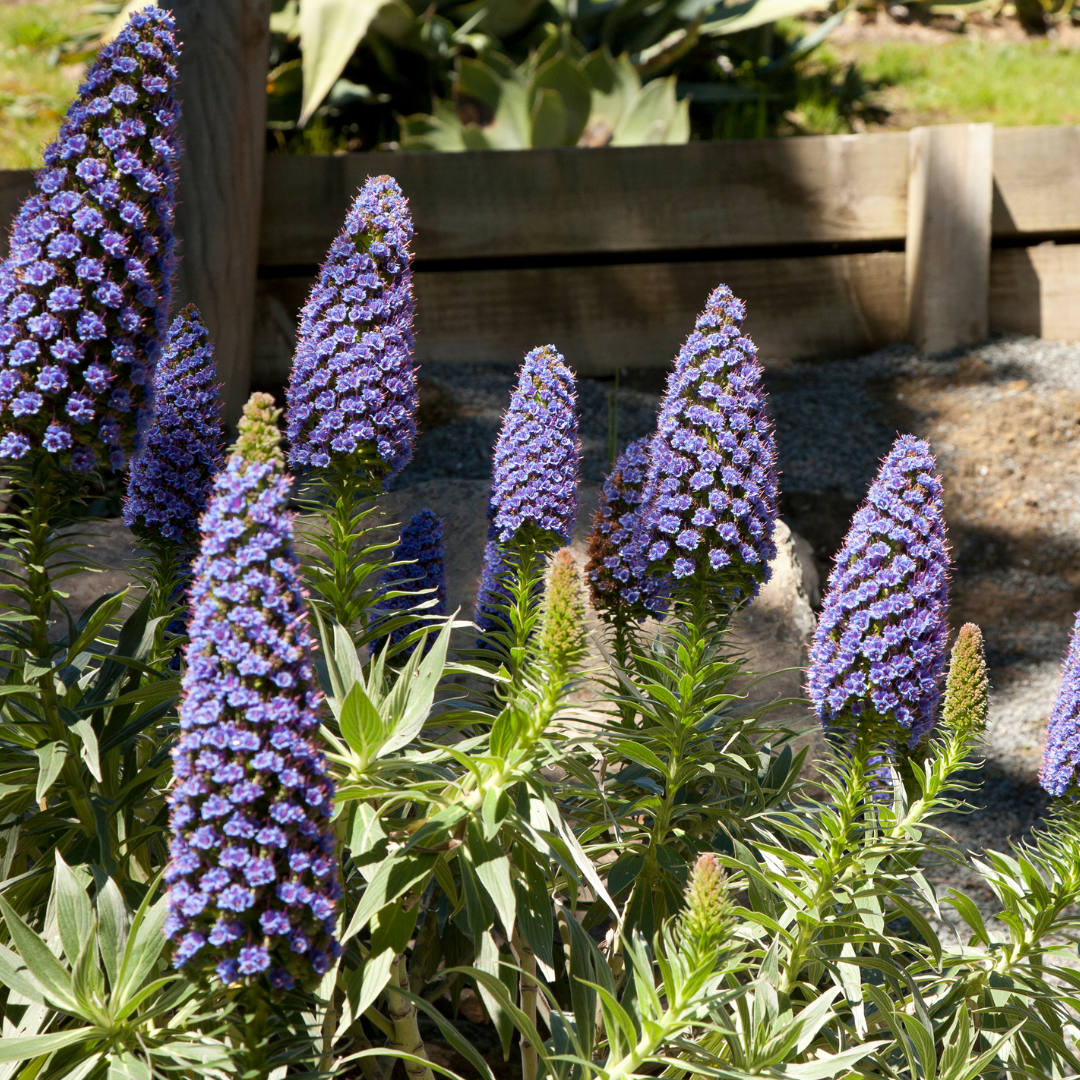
706,916
562,634
967,689
260,439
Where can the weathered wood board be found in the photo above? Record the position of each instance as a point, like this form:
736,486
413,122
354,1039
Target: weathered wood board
607,317
1036,180
1036,290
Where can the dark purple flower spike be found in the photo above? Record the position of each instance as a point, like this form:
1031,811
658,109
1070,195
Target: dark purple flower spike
1061,757
252,877
710,499
352,393
84,291
171,477
878,654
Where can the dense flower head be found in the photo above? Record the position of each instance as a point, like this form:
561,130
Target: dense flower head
252,877
966,708
1061,757
492,593
353,389
617,583
419,575
879,646
171,476
534,476
84,291
710,499
562,622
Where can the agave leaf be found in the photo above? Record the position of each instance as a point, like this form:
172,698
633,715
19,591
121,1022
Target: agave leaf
566,78
748,15
548,119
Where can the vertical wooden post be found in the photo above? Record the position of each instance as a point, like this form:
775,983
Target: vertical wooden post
223,93
950,197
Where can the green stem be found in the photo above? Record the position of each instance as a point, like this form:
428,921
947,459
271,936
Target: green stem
527,990
256,1044
404,1016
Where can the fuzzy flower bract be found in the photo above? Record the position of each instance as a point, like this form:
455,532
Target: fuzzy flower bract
967,689
252,877
352,390
1061,756
879,646
534,476
84,291
171,477
710,499
615,573
420,577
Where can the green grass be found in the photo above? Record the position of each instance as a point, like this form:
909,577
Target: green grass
1006,83
40,70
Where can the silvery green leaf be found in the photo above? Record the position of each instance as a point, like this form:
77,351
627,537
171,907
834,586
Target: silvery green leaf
21,1047
420,683
74,912
54,979
125,1066
85,730
112,929
51,757
145,942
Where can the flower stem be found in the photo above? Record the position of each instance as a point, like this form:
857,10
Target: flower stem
405,1018
527,989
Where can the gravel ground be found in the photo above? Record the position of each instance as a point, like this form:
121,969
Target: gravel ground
1004,420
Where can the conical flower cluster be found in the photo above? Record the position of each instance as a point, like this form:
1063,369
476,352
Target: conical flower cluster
353,391
252,877
420,577
617,583
534,476
171,477
84,291
967,689
710,500
879,647
492,594
1060,770
562,623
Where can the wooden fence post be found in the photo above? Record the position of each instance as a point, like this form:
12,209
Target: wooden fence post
950,198
225,51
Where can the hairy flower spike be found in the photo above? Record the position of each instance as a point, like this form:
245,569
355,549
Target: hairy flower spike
421,577
1060,770
252,878
171,477
706,918
84,291
562,626
353,391
617,583
259,439
534,476
492,591
710,499
879,646
967,688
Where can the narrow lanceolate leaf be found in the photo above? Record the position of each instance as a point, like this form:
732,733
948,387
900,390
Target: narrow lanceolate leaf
55,981
20,1047
112,929
85,730
52,757
74,912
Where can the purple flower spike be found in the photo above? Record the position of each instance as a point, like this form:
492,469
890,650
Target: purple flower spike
535,470
614,570
171,477
352,390
421,578
710,497
492,591
879,647
252,877
1061,757
84,292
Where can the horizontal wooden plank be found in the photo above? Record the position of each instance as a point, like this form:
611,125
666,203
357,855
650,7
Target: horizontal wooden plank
15,185
1036,180
607,317
835,188
1034,291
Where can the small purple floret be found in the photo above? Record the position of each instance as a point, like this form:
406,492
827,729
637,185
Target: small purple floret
879,647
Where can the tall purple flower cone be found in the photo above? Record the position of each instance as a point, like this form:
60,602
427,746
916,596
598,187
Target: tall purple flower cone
1061,756
84,291
171,477
879,647
492,594
710,500
617,583
420,577
352,392
534,476
252,878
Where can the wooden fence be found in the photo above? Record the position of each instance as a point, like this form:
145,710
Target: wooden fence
838,244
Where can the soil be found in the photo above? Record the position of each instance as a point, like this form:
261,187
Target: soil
1004,421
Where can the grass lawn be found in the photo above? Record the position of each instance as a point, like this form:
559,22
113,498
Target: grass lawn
1008,83
35,89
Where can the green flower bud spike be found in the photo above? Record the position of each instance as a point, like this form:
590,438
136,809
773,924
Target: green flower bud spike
562,632
259,440
706,920
967,689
